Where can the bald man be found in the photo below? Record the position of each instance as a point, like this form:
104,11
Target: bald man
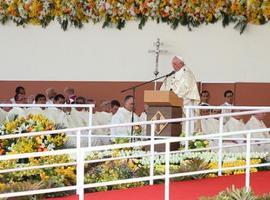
182,83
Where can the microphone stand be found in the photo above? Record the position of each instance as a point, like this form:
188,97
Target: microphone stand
133,88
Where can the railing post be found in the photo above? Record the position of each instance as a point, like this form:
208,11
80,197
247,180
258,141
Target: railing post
80,168
152,156
220,156
248,162
90,124
167,171
187,123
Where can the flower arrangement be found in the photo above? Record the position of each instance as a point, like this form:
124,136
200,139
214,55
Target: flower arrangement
31,123
45,177
179,162
190,13
195,144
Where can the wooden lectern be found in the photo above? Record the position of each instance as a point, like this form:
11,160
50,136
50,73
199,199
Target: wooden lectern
164,105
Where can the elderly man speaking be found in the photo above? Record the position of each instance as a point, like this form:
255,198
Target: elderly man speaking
182,83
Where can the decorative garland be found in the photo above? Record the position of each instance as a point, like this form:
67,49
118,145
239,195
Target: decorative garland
190,13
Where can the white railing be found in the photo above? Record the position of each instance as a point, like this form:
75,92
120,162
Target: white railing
80,153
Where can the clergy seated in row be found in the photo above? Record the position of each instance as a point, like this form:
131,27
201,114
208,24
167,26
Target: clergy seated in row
207,126
102,117
57,114
17,111
39,99
229,97
256,122
235,123
124,115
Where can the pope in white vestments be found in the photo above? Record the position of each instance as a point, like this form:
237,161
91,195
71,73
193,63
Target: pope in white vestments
235,124
182,83
256,122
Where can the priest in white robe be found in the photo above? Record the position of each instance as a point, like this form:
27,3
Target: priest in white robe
39,99
79,117
57,115
256,122
182,83
102,117
124,115
17,112
228,96
208,126
234,124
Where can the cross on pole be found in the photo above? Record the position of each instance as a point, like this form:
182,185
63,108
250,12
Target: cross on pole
157,51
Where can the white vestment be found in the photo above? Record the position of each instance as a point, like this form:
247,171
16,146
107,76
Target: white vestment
101,118
208,126
254,123
223,111
77,119
3,115
184,85
143,118
34,111
234,125
57,116
15,112
120,117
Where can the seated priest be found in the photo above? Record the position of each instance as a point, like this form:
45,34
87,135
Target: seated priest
124,115
39,99
17,112
102,117
56,114
79,117
256,122
235,123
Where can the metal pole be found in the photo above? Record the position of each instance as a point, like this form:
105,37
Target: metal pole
152,152
248,162
90,124
78,146
187,123
221,119
167,171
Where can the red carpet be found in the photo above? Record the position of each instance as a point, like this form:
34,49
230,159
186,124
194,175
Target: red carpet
184,190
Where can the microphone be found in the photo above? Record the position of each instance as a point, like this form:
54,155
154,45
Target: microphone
171,73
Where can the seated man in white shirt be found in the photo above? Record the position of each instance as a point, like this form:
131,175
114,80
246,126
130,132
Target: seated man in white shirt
39,99
17,112
102,117
256,122
18,90
124,115
229,97
57,115
234,124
